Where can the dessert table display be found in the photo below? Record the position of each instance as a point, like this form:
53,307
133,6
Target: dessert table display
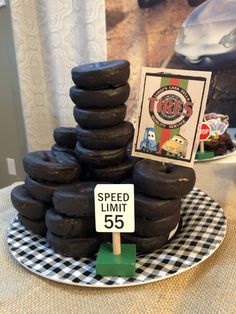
203,229
208,287
57,199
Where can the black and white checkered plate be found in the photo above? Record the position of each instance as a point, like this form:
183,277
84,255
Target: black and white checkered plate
203,230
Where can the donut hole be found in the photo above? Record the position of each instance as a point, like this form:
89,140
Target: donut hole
49,158
169,168
164,168
98,65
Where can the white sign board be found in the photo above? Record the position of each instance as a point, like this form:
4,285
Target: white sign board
114,207
172,104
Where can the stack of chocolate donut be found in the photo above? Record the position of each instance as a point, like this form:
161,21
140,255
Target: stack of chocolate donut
71,223
158,191
46,171
31,212
99,94
55,202
65,139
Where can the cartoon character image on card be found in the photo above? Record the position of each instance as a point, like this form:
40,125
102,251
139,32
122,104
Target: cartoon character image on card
175,147
149,143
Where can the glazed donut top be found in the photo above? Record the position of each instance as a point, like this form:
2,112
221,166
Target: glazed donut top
101,75
164,172
103,65
55,159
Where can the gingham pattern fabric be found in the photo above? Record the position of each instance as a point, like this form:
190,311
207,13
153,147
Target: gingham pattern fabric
203,230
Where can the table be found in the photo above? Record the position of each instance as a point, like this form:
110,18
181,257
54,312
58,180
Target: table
209,287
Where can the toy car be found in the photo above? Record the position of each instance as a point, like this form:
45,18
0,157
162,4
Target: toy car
175,147
149,143
207,38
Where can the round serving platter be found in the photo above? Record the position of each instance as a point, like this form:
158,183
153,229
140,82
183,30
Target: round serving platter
203,230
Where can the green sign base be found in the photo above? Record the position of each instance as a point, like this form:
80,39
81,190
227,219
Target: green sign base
205,155
108,264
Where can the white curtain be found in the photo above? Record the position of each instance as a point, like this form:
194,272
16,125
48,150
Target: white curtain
51,37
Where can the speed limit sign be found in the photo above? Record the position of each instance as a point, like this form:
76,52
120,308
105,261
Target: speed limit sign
114,207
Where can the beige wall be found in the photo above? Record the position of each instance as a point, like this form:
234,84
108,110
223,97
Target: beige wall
12,135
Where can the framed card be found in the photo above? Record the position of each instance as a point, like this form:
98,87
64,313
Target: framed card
172,106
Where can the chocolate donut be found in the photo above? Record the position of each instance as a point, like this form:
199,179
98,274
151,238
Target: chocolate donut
145,245
76,247
36,226
114,173
43,190
65,137
26,205
155,208
99,118
104,74
63,149
100,98
75,200
51,166
107,138
152,228
99,158
163,180
68,227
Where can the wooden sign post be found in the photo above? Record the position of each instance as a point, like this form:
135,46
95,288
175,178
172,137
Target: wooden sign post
114,212
116,244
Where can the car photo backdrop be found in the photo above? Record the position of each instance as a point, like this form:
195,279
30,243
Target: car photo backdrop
187,34
172,105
